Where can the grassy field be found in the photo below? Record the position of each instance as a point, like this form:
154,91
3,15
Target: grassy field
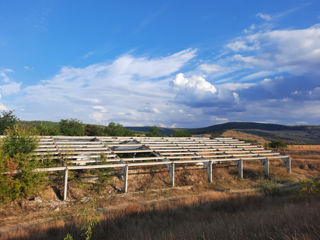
235,216
228,208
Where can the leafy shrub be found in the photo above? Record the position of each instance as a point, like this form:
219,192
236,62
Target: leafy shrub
7,120
93,130
71,127
277,144
18,140
46,130
17,165
116,129
181,133
154,132
309,187
269,187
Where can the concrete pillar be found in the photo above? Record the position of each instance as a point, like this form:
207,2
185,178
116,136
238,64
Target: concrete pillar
171,171
240,168
265,163
65,189
125,178
209,170
287,162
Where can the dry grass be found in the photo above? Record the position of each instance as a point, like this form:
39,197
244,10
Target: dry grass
247,136
228,217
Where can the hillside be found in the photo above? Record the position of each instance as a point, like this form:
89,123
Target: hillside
289,134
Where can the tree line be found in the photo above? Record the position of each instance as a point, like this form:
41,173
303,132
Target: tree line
74,127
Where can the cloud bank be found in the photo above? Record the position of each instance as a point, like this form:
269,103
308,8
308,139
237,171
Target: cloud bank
265,75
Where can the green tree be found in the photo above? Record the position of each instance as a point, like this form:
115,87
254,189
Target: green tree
71,127
181,133
154,132
17,164
93,130
277,144
7,119
116,129
45,130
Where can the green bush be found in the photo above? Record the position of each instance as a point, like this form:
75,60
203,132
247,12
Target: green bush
181,133
71,127
269,187
17,165
18,140
277,144
116,129
154,132
93,130
46,130
7,120
309,186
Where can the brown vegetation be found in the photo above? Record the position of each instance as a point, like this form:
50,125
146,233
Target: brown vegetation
246,136
207,217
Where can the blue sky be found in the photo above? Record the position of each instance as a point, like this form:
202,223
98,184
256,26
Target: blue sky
165,63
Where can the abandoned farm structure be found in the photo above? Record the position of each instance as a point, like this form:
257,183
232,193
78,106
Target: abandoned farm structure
79,153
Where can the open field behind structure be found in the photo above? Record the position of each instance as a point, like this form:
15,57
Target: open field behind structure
305,156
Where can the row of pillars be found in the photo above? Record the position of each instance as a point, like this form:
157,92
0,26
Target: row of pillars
171,167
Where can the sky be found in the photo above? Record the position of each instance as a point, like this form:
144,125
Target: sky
166,63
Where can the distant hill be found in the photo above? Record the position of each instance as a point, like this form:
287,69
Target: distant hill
166,131
289,134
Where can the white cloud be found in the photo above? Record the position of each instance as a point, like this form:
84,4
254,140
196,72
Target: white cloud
240,45
264,16
100,108
2,106
156,110
236,97
152,68
122,87
97,116
10,88
28,68
196,84
269,52
4,75
211,68
245,79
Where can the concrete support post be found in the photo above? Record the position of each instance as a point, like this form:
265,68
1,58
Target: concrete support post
265,163
125,178
65,189
287,161
240,168
171,171
209,170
